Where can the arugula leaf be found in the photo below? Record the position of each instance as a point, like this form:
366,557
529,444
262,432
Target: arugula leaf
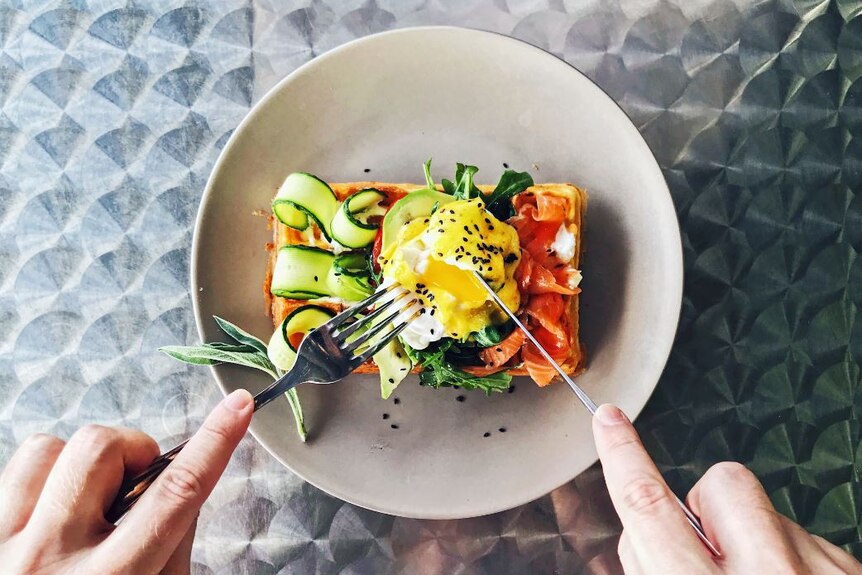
493,334
438,371
448,186
464,187
444,374
511,183
375,277
426,167
239,334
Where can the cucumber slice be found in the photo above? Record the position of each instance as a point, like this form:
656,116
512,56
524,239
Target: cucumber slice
350,225
280,350
348,277
290,215
301,272
308,195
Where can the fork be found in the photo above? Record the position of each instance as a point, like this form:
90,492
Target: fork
327,354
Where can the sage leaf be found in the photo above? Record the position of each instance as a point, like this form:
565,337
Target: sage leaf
240,335
209,355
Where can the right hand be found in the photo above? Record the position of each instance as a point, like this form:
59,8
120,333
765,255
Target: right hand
735,511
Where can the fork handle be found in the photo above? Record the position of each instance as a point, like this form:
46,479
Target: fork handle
133,487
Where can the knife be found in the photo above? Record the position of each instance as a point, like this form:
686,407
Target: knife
588,403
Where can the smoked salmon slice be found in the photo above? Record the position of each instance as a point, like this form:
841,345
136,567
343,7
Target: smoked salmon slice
499,354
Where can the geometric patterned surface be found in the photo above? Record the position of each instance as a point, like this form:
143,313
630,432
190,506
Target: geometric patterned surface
113,112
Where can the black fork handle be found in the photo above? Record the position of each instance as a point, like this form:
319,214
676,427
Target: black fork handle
133,487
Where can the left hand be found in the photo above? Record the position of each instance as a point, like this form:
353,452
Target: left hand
54,495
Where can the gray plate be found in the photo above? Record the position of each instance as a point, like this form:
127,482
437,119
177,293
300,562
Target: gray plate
386,103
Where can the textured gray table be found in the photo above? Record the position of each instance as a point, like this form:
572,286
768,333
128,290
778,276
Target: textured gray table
112,116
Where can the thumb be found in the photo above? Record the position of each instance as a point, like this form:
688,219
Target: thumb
180,563
648,510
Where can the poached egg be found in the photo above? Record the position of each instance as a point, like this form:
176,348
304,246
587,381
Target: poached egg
434,258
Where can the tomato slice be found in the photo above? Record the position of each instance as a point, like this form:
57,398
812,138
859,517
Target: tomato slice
375,250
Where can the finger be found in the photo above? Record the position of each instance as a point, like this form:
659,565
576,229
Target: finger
180,563
23,479
738,516
152,530
819,555
86,477
648,510
628,559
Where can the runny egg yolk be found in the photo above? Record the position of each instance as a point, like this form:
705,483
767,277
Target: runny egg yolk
464,286
436,256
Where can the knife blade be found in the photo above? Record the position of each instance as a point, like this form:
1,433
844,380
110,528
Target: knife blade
588,403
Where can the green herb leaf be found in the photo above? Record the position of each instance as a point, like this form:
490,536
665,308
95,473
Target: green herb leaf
240,334
296,408
374,277
210,355
493,334
438,371
448,186
464,187
511,184
434,208
426,167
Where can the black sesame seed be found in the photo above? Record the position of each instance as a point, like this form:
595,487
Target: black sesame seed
465,239
460,398
491,228
427,220
396,401
432,311
499,349
452,220
505,165
432,331
385,416
315,278
476,227
466,229
391,380
512,388
440,230
502,430
439,254
394,426
403,369
486,434
398,354
487,221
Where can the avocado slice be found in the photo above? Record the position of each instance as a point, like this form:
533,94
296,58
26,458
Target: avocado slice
394,366
416,204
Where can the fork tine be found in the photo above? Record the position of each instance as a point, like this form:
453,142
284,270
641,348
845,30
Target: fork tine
377,328
353,310
371,351
362,321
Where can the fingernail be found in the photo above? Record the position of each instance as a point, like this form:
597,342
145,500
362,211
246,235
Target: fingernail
609,414
237,400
